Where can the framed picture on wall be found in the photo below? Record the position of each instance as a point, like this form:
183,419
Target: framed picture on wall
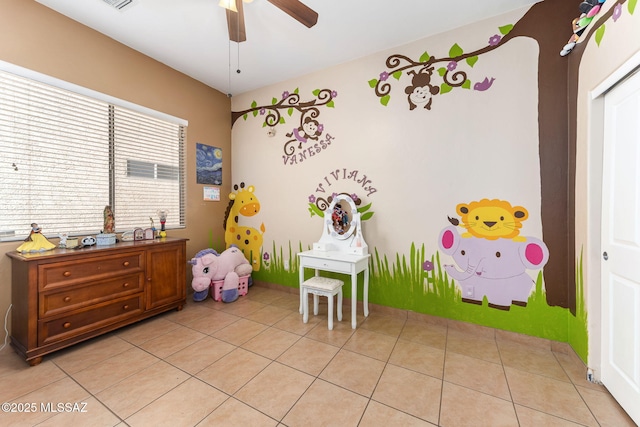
211,193
208,164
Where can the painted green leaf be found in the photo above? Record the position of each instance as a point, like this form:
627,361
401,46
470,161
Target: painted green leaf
455,50
444,88
264,124
373,83
316,92
442,71
274,101
505,29
296,91
472,60
632,6
254,112
385,100
364,208
424,57
599,34
331,104
245,116
397,75
314,210
466,84
254,104
290,111
282,120
366,216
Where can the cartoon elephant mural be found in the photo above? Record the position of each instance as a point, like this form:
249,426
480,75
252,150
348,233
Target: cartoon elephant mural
495,269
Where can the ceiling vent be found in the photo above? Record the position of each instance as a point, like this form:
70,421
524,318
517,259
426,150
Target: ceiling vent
119,4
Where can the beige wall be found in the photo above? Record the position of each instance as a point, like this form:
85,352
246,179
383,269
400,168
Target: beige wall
35,37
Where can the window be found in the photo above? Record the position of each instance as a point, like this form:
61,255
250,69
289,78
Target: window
66,155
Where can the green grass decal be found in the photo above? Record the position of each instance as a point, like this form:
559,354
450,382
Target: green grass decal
419,283
578,334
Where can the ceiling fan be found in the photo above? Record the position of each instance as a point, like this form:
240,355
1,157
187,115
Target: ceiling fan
235,15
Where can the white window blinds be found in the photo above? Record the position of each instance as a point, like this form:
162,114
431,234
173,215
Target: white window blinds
65,156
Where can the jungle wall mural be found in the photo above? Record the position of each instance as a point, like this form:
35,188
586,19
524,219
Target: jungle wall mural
491,258
458,144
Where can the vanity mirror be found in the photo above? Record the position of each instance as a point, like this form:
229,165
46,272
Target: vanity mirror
342,209
342,229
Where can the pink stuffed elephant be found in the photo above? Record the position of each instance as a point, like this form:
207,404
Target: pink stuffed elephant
210,266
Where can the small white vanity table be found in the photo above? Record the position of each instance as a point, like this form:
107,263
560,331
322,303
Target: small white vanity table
341,249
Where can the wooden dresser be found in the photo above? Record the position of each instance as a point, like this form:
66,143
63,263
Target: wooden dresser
65,296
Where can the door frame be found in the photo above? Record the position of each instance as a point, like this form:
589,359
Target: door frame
592,256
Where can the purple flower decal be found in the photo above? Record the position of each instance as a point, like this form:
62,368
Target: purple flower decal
262,111
334,93
285,94
617,11
312,199
320,127
452,65
384,76
427,266
494,40
265,256
334,195
354,196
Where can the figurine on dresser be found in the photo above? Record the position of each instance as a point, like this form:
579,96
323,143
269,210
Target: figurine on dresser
35,242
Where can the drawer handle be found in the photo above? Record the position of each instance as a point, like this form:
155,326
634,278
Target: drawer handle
126,263
66,274
67,299
66,325
125,285
126,307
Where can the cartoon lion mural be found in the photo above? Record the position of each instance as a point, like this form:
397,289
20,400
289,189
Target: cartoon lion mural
492,219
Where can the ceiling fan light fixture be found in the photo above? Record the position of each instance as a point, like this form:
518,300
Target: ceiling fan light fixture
229,5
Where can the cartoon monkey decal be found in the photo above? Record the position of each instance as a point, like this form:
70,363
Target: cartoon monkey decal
420,91
308,129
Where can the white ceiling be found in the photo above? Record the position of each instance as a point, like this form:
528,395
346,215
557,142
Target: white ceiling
191,35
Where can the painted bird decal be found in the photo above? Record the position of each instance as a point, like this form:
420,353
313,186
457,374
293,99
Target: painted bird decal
484,85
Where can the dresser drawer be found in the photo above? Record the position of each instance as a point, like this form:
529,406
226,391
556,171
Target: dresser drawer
71,298
326,264
86,270
88,319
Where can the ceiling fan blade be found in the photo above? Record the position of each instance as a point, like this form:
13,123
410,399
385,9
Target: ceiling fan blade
298,11
235,22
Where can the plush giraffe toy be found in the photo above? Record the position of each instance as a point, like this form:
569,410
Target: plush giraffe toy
244,202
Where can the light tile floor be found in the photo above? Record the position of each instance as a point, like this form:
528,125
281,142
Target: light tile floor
254,363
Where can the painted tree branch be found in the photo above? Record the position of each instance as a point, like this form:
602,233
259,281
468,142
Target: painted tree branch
289,102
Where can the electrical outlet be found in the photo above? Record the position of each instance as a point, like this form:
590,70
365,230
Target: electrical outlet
286,264
468,291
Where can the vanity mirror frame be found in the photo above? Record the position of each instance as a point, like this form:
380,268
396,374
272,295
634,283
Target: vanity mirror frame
350,241
331,220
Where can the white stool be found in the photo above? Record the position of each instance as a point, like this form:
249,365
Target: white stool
325,287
